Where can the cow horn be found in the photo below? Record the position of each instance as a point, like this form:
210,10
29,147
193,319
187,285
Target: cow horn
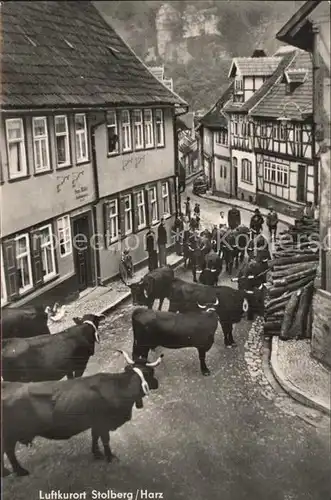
249,291
234,279
251,276
126,357
217,302
145,293
261,286
201,307
102,316
155,363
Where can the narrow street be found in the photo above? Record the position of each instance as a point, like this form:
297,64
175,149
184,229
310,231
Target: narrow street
198,437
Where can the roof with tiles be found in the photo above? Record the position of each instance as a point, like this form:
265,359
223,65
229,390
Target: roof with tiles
295,104
235,107
253,66
65,54
215,118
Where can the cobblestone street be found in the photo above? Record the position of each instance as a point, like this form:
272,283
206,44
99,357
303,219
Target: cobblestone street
233,435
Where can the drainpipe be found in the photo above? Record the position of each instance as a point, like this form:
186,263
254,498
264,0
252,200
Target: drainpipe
96,252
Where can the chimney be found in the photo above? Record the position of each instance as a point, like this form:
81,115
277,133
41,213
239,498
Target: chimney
259,53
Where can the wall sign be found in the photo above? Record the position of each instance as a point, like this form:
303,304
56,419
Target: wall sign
80,191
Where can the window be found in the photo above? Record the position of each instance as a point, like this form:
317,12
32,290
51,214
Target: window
62,141
64,235
165,198
40,144
263,131
127,214
47,252
159,127
112,132
246,171
81,138
275,132
297,134
234,162
141,209
283,132
153,204
235,128
126,130
3,281
138,129
276,174
113,220
148,125
222,137
16,148
23,259
223,171
238,84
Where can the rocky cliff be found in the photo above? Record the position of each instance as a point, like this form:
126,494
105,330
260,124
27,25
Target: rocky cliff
196,40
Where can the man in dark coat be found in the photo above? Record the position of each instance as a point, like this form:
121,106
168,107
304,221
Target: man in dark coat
162,242
257,221
195,252
178,228
188,208
234,218
151,249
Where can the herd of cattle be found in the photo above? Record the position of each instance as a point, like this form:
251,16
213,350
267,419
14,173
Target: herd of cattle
36,402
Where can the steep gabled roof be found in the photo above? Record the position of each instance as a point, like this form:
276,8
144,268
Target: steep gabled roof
235,107
295,105
65,54
214,118
253,66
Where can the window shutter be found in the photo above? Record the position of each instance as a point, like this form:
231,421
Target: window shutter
106,223
121,214
159,199
135,212
10,266
148,207
37,263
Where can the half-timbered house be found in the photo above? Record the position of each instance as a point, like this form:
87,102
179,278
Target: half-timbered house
287,174
214,127
87,142
309,29
250,77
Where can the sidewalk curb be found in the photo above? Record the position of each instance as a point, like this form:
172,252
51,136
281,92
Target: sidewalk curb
113,305
288,387
225,201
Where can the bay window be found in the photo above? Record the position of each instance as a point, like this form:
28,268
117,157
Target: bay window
47,252
141,209
112,132
16,148
148,127
128,214
159,125
126,130
165,198
81,138
62,141
138,128
23,260
40,144
64,235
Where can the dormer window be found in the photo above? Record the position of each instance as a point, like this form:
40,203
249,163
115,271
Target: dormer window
238,85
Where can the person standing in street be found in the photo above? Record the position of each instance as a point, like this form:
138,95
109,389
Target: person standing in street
162,242
234,218
178,233
197,210
272,221
194,252
151,249
222,219
309,210
257,222
188,208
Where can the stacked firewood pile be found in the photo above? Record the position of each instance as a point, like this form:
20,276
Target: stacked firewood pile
290,282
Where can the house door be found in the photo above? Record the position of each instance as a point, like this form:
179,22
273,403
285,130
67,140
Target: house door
302,184
82,250
235,181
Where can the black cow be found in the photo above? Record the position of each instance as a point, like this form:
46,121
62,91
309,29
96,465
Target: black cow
60,410
232,304
27,321
154,285
51,357
174,331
